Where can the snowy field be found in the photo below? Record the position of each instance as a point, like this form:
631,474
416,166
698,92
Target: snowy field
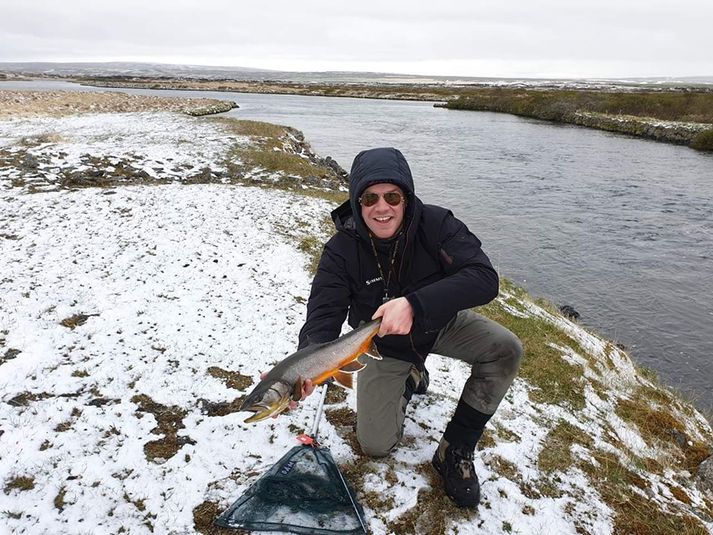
133,318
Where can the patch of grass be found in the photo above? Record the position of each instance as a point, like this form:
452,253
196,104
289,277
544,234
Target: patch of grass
556,452
504,468
659,425
234,380
680,495
621,489
703,140
285,159
258,129
169,422
312,246
203,517
21,483
80,373
220,408
342,417
556,380
486,441
74,321
433,513
335,395
567,106
505,434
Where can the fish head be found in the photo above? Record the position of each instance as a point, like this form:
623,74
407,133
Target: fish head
268,398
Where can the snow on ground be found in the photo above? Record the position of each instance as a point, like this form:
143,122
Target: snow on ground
120,309
169,146
175,279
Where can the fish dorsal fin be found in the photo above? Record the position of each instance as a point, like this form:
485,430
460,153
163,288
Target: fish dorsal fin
343,378
372,351
353,367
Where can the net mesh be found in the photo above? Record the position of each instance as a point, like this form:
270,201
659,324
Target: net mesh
304,492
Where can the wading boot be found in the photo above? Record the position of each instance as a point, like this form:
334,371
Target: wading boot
459,478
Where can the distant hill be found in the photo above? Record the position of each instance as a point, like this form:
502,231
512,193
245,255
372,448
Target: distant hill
162,70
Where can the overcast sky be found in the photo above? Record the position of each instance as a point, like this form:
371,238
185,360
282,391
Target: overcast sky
493,38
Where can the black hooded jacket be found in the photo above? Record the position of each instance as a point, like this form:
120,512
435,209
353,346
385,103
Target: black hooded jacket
438,266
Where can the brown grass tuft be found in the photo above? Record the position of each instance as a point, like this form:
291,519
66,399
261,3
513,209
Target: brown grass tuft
21,483
205,514
234,380
169,422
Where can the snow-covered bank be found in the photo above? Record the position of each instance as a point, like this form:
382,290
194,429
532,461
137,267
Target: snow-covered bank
132,319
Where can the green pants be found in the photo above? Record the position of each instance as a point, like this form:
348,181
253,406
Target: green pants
493,352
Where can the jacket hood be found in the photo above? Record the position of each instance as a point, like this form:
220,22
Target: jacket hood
375,166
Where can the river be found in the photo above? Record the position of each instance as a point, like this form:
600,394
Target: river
618,227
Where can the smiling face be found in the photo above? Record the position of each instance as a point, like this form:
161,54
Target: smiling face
383,220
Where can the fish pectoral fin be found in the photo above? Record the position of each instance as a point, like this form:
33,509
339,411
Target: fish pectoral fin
343,378
353,367
297,390
372,351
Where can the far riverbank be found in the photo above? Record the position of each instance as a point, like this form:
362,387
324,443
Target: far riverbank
677,115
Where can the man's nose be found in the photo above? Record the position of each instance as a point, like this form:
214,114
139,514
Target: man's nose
381,203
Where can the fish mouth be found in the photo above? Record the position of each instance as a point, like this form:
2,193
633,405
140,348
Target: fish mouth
262,412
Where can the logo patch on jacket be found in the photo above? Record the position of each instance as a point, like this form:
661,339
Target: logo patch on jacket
372,281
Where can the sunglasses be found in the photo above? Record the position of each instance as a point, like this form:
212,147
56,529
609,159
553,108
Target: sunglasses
392,198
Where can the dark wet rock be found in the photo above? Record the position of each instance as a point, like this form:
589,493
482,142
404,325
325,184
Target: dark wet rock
569,312
334,166
704,478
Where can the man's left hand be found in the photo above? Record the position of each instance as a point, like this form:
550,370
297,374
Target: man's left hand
396,317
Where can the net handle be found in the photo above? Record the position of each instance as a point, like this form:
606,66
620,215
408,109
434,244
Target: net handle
318,413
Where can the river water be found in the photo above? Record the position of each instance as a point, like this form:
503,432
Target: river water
618,227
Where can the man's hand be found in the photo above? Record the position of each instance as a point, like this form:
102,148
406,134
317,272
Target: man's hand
396,317
307,388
